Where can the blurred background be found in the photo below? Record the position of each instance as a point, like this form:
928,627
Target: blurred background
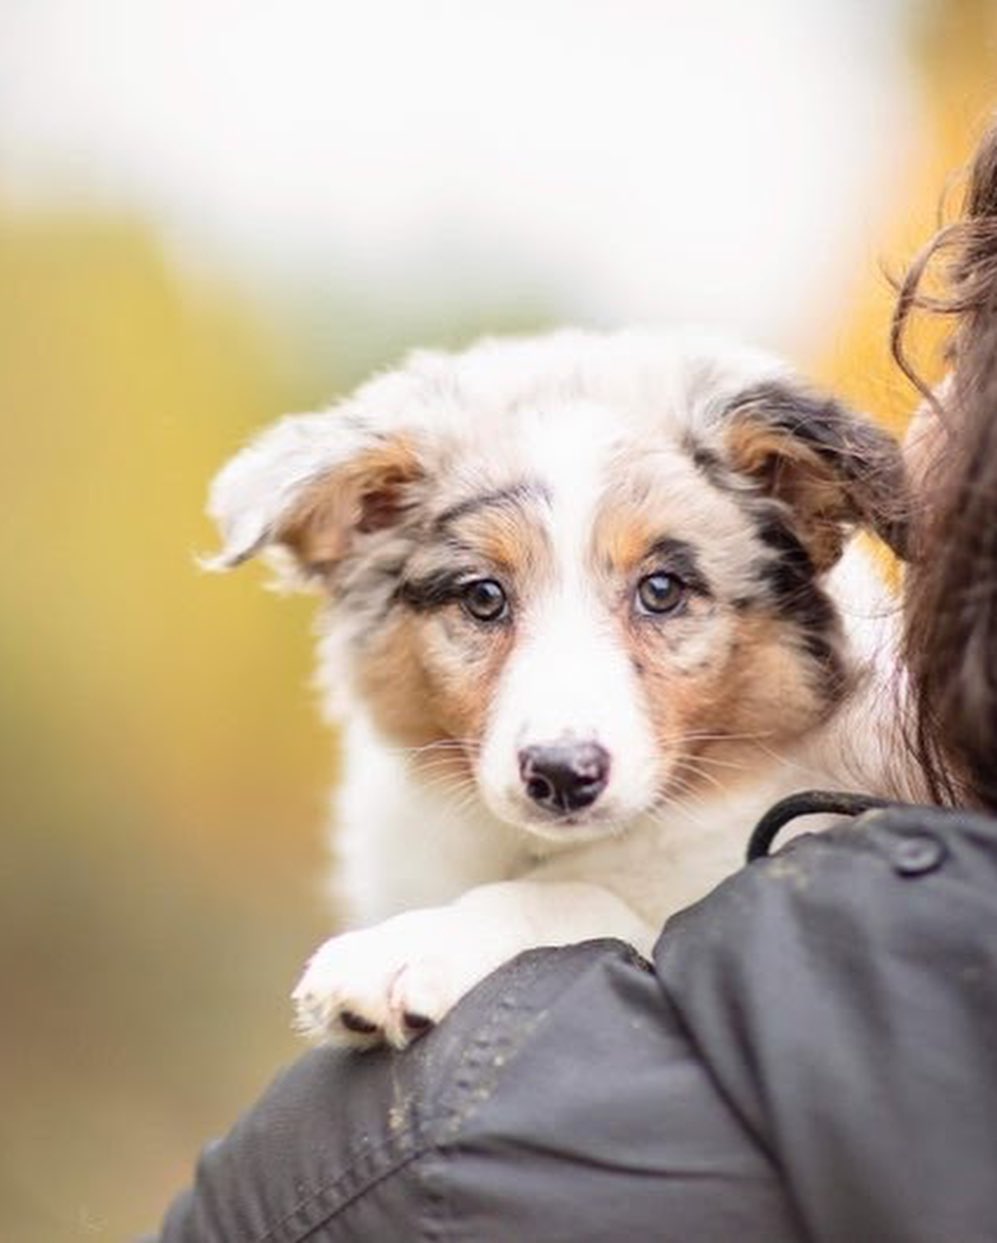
215,211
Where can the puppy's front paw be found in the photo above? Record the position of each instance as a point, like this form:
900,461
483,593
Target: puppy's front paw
386,984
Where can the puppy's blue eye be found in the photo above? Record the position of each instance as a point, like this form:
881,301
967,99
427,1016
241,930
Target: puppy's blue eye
485,600
660,593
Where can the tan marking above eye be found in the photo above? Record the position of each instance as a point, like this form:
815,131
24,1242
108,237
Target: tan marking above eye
622,537
509,539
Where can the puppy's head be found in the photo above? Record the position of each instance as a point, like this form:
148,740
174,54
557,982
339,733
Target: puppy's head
585,569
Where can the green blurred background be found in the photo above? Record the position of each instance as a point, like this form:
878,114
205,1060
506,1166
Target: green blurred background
163,774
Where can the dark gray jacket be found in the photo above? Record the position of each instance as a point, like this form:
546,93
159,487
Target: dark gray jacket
812,1057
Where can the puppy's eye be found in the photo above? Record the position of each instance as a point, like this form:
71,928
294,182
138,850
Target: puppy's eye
485,600
660,593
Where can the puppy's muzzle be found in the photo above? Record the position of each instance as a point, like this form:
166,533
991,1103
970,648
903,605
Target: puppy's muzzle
564,777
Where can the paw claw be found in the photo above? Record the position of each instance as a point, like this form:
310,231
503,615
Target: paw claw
356,1023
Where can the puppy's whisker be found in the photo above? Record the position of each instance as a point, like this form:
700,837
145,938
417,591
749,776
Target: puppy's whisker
696,736
676,802
439,744
690,769
449,763
447,783
807,770
714,761
702,775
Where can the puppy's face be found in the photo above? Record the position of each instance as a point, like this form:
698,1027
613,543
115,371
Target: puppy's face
585,570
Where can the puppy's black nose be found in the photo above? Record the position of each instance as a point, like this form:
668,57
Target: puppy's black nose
564,776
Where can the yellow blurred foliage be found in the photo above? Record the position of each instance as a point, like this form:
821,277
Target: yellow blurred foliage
954,46
123,388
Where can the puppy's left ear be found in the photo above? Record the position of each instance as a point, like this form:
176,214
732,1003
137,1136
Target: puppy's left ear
833,468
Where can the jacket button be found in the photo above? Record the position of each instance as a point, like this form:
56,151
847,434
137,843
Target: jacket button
916,854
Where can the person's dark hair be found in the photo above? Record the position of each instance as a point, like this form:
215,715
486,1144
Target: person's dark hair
951,591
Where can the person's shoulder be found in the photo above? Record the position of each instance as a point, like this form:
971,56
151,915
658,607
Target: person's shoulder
844,994
921,870
835,920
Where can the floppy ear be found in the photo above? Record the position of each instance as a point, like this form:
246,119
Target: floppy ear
831,467
311,484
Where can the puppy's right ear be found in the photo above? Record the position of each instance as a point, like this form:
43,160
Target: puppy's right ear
311,484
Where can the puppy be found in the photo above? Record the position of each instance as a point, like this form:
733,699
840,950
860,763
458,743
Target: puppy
591,607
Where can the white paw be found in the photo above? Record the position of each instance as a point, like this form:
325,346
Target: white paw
387,984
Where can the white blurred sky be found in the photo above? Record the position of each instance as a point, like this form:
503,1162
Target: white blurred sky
711,160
